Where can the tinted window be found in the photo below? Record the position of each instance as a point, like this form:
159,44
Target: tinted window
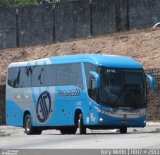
111,88
25,77
64,74
122,88
76,74
45,75
134,88
38,76
89,67
13,77
50,75
116,82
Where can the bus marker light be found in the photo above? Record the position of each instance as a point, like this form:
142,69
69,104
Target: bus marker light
18,96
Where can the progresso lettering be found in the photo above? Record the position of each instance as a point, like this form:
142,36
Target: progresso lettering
69,92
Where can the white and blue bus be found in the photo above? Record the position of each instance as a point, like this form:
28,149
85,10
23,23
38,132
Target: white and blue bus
77,91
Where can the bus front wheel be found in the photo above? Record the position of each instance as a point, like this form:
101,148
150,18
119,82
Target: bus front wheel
123,130
82,128
29,129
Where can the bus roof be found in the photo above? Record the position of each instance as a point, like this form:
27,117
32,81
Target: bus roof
113,61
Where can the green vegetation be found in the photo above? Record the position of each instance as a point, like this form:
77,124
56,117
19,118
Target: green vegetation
29,2
17,2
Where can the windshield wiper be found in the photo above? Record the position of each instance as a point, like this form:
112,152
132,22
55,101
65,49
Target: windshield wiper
117,99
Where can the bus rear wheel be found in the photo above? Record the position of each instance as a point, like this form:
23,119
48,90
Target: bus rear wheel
123,130
29,129
68,130
82,128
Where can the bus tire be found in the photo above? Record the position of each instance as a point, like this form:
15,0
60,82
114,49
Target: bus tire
29,129
123,130
68,130
82,128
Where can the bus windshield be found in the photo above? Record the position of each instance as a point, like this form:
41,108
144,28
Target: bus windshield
122,88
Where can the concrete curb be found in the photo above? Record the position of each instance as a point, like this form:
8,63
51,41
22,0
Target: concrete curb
153,123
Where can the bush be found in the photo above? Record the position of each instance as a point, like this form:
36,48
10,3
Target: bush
17,2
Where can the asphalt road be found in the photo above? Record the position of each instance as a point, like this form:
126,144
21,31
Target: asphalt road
136,138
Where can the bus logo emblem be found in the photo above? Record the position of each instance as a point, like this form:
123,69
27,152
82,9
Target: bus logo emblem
43,106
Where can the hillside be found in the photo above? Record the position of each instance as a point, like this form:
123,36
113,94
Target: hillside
142,45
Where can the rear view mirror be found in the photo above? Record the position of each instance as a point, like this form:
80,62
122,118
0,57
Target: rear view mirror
151,82
96,77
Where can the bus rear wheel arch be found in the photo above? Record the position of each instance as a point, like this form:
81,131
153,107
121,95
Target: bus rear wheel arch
29,128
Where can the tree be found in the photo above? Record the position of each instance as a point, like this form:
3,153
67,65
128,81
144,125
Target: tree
28,2
17,2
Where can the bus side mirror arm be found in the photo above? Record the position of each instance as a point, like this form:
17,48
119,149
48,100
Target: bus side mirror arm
96,77
151,82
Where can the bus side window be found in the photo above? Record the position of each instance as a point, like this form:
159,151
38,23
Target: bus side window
14,77
76,75
93,89
25,77
50,75
69,74
37,76
89,67
63,76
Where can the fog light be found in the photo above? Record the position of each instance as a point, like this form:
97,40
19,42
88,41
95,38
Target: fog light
101,119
